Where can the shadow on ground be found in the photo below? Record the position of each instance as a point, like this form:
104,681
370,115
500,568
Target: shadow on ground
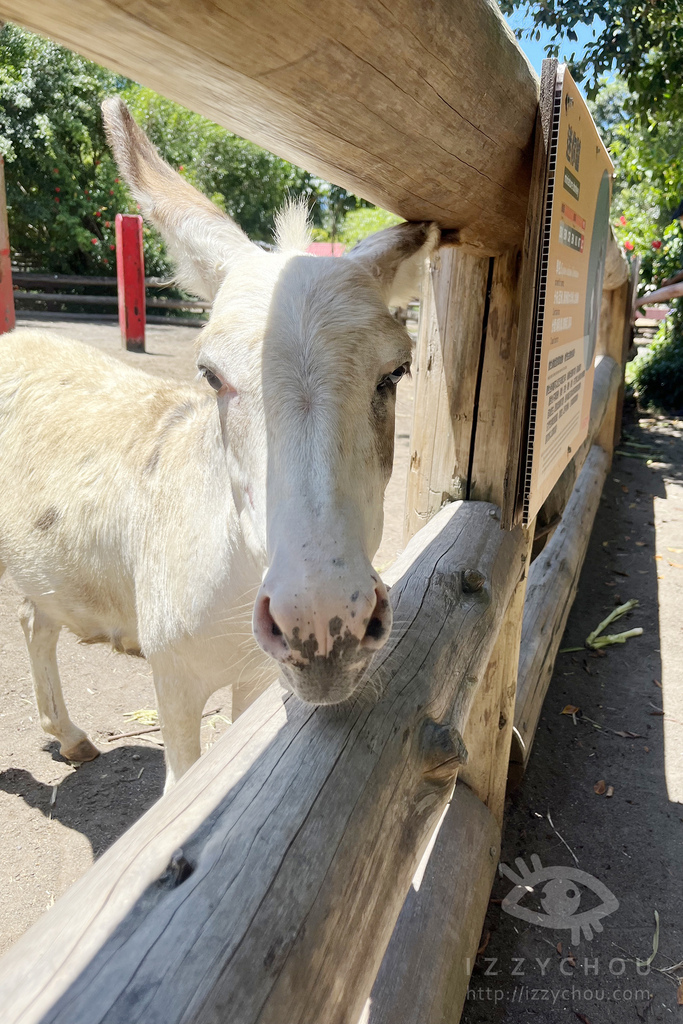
631,842
101,799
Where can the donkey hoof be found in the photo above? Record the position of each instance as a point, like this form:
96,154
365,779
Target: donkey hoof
83,751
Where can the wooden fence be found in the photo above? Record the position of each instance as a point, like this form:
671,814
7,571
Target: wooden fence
273,885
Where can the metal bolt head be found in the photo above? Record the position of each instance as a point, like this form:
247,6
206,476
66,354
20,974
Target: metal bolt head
472,580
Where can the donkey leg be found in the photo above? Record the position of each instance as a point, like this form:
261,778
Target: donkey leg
41,639
181,701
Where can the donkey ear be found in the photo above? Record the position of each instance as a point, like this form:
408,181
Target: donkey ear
395,256
202,241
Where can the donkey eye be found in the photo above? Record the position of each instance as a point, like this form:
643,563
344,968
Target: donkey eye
392,379
211,378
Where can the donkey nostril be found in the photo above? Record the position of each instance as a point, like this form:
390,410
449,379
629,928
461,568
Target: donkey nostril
378,627
275,629
375,630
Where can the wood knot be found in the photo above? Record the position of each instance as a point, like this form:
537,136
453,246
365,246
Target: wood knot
472,581
442,750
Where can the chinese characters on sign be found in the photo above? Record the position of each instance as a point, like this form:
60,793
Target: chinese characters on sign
573,251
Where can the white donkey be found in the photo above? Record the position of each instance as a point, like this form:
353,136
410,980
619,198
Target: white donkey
143,513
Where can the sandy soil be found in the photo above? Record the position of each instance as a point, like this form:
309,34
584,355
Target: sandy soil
55,818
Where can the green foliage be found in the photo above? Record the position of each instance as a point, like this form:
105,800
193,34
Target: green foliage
658,374
63,188
362,222
642,41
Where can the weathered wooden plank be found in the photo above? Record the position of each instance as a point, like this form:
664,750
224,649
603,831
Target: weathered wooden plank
614,340
424,975
496,393
551,589
447,363
488,733
427,110
301,828
616,266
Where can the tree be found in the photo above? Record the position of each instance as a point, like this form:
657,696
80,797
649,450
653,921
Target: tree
642,41
63,188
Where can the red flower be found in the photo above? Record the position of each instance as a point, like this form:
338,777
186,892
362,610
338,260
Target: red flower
98,213
57,188
622,219
56,170
87,191
105,260
111,191
629,246
117,180
107,223
56,199
181,168
112,246
656,244
94,241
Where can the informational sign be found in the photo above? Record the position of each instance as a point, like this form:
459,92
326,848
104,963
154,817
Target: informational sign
573,252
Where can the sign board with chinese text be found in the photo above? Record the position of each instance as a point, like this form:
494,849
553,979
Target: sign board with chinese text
573,251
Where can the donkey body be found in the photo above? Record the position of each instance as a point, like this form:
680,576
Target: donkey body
173,520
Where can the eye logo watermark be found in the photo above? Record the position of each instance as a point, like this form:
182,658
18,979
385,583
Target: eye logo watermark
560,900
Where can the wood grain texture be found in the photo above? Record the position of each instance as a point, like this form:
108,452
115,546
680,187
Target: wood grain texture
614,339
551,589
424,974
497,394
616,265
302,827
488,733
446,366
426,109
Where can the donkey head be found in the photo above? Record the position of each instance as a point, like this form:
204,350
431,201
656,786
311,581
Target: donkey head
304,358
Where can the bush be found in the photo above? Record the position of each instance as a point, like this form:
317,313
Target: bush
657,375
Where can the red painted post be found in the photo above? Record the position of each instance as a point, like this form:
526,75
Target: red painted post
130,276
6,293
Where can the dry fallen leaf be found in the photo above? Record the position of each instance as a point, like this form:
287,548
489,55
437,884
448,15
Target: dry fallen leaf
559,948
599,787
676,565
646,749
679,994
624,488
657,683
640,543
570,959
627,735
676,551
610,791
569,709
484,944
658,558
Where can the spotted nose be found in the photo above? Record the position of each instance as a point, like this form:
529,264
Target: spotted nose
293,626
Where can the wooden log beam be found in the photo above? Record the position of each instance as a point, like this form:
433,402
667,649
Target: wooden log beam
426,968
424,110
300,830
551,589
616,265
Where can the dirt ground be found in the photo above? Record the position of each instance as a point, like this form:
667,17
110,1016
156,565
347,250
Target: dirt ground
57,819
628,732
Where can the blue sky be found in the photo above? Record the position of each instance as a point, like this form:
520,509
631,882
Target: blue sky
535,50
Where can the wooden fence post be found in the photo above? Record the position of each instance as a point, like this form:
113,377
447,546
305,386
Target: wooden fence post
7,318
130,275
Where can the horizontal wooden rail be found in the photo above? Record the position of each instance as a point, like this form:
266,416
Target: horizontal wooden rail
108,300
300,830
551,589
29,278
107,318
426,110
